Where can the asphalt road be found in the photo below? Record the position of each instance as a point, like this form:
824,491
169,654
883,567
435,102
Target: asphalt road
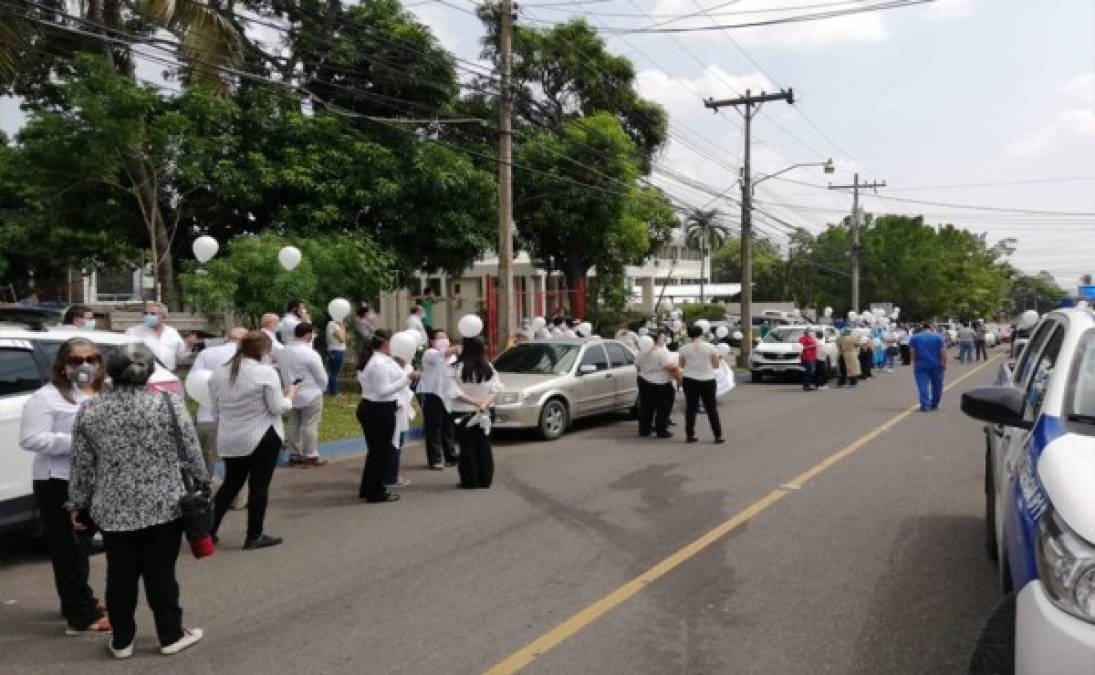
873,563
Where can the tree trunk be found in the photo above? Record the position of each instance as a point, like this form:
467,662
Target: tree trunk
703,272
159,240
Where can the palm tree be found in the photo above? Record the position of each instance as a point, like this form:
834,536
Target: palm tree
704,229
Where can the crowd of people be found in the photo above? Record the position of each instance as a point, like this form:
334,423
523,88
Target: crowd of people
118,457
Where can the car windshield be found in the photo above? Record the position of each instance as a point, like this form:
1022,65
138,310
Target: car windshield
1083,393
537,359
784,335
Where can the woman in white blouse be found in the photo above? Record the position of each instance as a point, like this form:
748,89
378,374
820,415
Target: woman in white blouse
46,430
248,403
699,362
473,388
382,380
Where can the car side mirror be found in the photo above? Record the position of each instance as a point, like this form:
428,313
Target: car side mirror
586,369
996,404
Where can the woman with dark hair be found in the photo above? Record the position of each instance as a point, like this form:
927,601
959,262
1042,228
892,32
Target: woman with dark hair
126,469
699,363
248,403
46,430
381,380
473,387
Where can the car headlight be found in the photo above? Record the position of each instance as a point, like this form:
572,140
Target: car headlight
1066,566
509,397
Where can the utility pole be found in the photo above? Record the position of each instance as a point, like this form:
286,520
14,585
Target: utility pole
856,215
750,105
507,319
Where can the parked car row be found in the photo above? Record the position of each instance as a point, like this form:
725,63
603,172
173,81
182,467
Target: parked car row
1040,497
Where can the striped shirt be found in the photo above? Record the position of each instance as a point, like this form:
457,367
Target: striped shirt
246,408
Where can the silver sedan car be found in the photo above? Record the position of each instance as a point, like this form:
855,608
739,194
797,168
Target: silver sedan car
550,383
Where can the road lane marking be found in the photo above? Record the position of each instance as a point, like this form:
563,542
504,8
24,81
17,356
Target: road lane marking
533,650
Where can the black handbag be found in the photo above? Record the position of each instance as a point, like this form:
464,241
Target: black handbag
196,503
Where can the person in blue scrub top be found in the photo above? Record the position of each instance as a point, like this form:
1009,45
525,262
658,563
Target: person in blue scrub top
929,359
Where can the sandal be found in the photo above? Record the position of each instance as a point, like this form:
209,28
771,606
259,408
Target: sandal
100,626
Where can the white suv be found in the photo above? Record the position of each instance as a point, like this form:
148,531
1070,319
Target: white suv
1040,494
779,352
25,360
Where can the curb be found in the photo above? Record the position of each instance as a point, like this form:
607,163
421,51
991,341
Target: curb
347,446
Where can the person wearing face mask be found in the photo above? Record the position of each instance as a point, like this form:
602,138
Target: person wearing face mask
382,380
295,312
657,374
437,423
164,341
46,430
78,317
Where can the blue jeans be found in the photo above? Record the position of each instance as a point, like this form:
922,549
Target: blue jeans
929,381
809,374
965,351
335,359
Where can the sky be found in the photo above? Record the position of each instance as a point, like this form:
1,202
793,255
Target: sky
961,103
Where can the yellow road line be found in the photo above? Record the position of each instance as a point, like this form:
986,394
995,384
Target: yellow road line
530,652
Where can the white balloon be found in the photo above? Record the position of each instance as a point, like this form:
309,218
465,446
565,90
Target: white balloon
338,309
676,324
722,348
404,345
197,386
205,247
878,312
870,319
738,336
585,329
851,315
470,325
721,332
538,323
828,312
1028,320
646,343
704,325
885,322
289,257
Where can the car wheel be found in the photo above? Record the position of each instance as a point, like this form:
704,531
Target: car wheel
995,649
553,419
990,508
756,375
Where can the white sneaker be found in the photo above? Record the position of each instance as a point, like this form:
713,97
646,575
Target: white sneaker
123,653
191,636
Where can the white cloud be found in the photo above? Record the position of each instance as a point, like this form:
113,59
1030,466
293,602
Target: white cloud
681,95
1081,87
1071,124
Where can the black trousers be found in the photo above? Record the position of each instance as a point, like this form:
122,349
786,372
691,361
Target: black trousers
438,429
694,392
151,554
476,457
821,373
655,404
67,552
377,421
980,353
256,470
844,377
866,360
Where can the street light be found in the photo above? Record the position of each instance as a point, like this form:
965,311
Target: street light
748,186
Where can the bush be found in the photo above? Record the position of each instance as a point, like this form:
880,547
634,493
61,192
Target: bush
711,311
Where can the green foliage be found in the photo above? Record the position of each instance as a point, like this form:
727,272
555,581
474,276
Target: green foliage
247,276
1029,291
694,311
768,267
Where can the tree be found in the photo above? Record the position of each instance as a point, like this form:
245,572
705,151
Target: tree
1035,291
767,267
704,229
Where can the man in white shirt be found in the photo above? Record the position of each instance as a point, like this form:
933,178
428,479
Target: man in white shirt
269,325
414,323
626,336
300,364
164,341
432,387
295,312
78,317
209,359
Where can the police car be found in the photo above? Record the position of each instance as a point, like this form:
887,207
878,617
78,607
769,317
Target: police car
1040,492
25,360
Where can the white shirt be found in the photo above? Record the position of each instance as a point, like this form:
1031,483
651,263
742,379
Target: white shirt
652,365
334,344
558,332
415,324
167,345
275,344
697,360
210,359
628,338
476,390
435,370
288,323
381,379
246,408
46,430
298,361
404,413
